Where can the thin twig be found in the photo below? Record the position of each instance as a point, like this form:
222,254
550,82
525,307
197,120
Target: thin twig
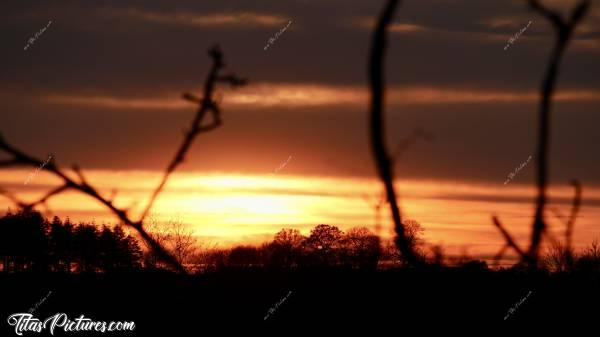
507,237
574,210
406,143
206,104
382,159
500,255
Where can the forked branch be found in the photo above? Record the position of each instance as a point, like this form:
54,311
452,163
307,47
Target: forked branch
564,30
206,105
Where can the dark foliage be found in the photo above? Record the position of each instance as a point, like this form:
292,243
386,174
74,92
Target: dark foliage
326,247
28,242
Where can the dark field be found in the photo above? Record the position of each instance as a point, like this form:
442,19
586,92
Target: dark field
335,300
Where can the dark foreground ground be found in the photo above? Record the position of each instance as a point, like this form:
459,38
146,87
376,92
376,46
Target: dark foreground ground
395,301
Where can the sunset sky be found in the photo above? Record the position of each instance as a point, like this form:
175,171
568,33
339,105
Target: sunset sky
101,87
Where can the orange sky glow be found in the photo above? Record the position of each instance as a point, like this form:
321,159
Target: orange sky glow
227,208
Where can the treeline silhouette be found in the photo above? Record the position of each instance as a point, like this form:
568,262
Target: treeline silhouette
326,246
29,242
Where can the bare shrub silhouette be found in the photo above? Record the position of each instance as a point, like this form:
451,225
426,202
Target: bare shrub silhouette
377,133
564,31
206,105
570,223
558,259
174,236
414,238
589,259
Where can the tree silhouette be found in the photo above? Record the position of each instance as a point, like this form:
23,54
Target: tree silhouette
28,242
23,242
206,106
324,238
183,241
119,251
323,243
414,239
361,248
61,244
414,234
289,237
175,236
285,250
244,256
86,247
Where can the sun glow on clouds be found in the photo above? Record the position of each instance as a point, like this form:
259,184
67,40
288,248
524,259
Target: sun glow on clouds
241,19
237,208
395,27
312,95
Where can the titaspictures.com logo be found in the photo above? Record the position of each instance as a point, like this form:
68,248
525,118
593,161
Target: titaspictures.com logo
25,322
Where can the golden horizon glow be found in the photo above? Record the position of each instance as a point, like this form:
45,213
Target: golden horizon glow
234,208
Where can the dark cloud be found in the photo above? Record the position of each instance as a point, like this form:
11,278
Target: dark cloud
101,48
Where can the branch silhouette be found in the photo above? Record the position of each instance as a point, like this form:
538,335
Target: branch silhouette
383,161
574,210
206,105
570,223
564,30
402,147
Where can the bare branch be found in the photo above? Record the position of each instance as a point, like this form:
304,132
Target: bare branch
574,210
113,195
554,18
233,80
50,194
559,215
564,31
500,254
509,240
407,142
13,198
77,171
204,105
190,97
551,237
86,189
382,159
